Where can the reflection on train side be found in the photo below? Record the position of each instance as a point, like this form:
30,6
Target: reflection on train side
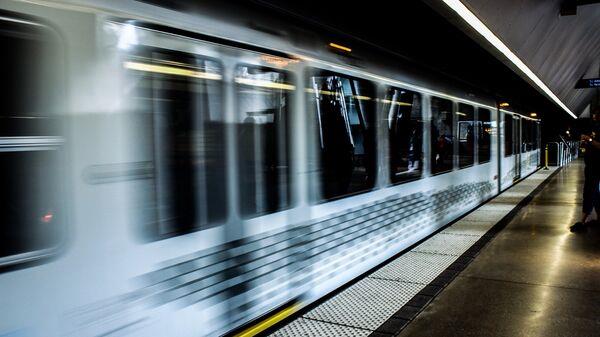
402,109
345,132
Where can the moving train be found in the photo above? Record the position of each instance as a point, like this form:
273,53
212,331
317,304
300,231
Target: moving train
184,172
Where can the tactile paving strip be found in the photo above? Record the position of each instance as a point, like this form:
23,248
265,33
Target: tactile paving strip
508,200
367,304
485,216
400,319
510,193
303,327
415,267
404,281
524,188
447,244
477,228
495,207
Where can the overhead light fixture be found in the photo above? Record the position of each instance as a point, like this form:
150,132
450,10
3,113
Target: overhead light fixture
486,33
533,114
504,104
339,47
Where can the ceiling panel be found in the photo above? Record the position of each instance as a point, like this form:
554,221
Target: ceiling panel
559,49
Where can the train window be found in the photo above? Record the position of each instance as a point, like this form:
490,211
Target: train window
525,135
344,111
530,135
485,135
32,213
179,97
523,132
466,135
533,131
535,135
442,139
30,202
28,102
508,134
263,107
402,112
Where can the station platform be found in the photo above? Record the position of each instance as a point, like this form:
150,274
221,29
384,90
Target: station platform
509,268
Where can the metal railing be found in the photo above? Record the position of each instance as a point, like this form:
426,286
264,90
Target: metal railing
561,153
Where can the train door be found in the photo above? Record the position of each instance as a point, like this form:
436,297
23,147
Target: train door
517,146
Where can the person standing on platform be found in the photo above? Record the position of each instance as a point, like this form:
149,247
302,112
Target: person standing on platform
591,189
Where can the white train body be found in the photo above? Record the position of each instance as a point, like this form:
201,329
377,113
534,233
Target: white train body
262,211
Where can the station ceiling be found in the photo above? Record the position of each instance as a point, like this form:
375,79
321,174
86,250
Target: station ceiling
560,49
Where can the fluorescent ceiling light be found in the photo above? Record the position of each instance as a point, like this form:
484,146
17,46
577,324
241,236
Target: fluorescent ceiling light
480,27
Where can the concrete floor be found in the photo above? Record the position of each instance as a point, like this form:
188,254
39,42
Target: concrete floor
535,278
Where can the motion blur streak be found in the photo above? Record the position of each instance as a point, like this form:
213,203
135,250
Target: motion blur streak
265,84
170,70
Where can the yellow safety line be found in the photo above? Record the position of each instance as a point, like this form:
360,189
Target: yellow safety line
269,322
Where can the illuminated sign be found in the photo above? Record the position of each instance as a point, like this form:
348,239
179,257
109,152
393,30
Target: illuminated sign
588,83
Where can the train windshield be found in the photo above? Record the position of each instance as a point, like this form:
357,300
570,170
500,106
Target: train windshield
344,110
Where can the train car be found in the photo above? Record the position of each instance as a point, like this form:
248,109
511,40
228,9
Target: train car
175,172
520,151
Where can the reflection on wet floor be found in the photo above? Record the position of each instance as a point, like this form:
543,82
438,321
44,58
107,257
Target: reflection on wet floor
534,279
